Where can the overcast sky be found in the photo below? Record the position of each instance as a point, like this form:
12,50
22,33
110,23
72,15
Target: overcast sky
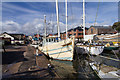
28,17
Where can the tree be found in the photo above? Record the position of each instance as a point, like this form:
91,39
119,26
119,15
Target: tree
116,26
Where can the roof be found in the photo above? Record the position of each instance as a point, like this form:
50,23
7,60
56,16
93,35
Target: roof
6,35
15,35
101,26
12,33
78,27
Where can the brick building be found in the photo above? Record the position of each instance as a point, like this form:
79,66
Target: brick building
101,30
77,32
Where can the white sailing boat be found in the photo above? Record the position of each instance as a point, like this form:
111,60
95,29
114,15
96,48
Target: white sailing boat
92,49
56,48
105,67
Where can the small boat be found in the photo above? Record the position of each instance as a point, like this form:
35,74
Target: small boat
105,67
104,71
112,46
92,49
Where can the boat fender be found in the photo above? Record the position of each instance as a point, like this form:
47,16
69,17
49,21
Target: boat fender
49,66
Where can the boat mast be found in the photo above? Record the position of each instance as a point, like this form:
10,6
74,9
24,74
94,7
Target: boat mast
66,18
45,27
84,19
58,28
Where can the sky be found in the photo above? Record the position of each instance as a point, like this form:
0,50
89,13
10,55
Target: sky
119,11
28,17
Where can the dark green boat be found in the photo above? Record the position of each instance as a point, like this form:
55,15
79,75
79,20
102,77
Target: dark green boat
111,48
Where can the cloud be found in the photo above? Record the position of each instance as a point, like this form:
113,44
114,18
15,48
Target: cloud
0,27
33,27
10,27
30,20
28,28
100,24
37,26
13,8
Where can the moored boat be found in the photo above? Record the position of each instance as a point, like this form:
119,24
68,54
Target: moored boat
112,46
56,48
92,49
104,71
62,50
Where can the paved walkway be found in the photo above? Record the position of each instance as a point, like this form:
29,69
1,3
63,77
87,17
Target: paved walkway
21,62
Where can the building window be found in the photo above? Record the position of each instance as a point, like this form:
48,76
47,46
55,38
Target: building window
74,30
52,39
80,29
91,31
70,34
80,33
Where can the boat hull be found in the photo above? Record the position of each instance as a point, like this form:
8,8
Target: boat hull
93,50
104,71
111,48
62,50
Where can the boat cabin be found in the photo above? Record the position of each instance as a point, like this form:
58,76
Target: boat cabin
52,39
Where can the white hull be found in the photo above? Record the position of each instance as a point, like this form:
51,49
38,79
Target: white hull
62,50
93,50
104,71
